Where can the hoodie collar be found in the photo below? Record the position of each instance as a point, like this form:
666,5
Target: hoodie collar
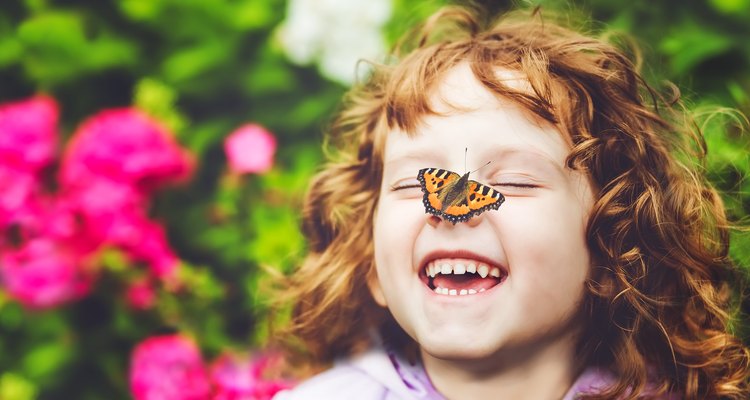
410,381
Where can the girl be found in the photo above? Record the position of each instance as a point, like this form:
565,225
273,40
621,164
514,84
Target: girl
604,274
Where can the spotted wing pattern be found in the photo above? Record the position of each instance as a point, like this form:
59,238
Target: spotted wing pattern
482,198
470,198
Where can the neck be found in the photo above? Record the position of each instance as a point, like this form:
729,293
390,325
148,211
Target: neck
545,372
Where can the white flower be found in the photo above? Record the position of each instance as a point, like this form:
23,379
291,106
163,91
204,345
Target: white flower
335,34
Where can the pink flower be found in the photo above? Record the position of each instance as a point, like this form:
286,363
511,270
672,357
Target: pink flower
39,217
28,133
17,189
242,378
125,146
105,196
168,367
140,295
101,208
250,149
111,214
145,240
42,274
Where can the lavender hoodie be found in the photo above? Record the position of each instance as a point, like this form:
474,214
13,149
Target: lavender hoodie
381,375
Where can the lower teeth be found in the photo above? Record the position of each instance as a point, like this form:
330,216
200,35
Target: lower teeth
455,292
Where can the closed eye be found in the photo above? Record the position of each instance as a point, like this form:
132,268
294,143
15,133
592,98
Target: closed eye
402,186
519,185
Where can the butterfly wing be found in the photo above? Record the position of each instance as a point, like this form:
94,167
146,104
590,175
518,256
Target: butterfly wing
476,199
458,212
435,183
481,198
470,199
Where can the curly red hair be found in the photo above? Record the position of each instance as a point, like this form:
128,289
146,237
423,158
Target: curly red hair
659,295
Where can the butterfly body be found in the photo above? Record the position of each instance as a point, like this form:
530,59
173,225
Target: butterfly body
455,197
453,192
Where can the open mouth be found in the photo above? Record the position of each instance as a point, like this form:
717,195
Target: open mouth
460,277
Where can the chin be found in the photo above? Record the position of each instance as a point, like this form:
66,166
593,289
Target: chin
459,349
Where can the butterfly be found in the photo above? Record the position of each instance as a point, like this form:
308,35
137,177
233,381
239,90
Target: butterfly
455,198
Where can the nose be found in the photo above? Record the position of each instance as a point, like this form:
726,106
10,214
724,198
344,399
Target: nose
435,221
475,220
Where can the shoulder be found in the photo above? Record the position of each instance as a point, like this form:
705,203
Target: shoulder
340,382
373,375
591,381
595,380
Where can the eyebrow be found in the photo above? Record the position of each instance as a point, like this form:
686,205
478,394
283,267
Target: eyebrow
418,154
505,151
535,155
395,164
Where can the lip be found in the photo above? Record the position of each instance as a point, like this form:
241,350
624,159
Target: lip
459,253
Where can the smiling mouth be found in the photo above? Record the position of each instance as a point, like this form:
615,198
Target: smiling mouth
460,277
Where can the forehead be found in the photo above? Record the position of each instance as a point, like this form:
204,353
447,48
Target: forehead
459,89
471,117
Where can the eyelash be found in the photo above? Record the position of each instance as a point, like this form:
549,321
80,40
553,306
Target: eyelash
516,185
405,186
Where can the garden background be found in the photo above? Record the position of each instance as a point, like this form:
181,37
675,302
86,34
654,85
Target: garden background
154,153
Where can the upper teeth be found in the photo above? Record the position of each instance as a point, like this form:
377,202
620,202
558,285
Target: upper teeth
459,268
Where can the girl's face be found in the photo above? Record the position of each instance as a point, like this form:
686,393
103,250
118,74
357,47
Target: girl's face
536,240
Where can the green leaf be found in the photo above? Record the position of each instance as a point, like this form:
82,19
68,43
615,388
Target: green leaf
191,62
11,314
738,93
107,52
691,44
293,181
15,387
57,32
740,248
158,100
277,239
58,49
253,14
201,282
10,51
268,76
730,7
141,10
46,359
35,6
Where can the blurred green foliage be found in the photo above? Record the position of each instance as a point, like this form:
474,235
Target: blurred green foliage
204,67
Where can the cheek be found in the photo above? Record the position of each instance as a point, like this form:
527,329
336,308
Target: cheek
395,227
396,221
546,248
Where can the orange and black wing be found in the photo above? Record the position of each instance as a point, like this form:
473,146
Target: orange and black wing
481,198
476,199
434,181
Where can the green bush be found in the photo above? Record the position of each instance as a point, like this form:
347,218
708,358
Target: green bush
206,67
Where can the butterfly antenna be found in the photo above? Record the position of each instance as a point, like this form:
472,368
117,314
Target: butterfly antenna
466,153
488,163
